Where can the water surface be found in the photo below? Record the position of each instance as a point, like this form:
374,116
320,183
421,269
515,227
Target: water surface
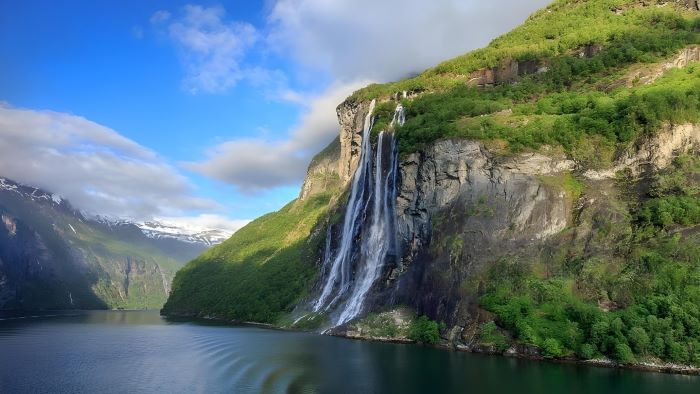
140,352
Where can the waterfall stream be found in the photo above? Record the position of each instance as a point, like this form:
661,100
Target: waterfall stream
368,232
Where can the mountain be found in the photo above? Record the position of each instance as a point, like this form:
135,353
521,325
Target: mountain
54,257
537,197
157,229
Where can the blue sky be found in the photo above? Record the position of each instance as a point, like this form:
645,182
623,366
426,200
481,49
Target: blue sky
223,103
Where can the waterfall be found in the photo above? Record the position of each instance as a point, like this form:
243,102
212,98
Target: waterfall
368,235
339,274
378,242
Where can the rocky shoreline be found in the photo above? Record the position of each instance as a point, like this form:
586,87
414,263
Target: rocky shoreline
527,352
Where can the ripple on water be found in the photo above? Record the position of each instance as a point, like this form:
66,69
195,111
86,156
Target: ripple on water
112,352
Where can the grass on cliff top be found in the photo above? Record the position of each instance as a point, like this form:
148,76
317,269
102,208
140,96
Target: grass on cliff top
579,103
259,272
551,32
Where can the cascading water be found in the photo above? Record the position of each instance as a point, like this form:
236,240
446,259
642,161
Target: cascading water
378,241
375,225
339,274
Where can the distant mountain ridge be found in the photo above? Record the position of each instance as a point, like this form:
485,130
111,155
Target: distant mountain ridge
53,256
154,228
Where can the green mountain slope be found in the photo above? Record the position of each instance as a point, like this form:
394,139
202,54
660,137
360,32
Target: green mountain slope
259,272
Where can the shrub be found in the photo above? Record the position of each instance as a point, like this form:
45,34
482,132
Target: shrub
551,348
623,353
639,339
424,330
490,335
587,351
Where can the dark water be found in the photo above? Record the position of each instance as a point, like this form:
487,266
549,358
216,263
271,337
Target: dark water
130,352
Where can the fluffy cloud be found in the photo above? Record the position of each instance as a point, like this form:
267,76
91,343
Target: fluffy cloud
386,40
96,168
348,41
253,165
211,48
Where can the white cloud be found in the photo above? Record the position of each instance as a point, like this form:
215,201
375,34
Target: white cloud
211,48
387,40
253,165
160,16
344,40
94,167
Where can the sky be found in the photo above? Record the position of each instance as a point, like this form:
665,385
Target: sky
204,112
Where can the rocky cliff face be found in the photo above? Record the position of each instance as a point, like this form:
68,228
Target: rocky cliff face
351,116
462,186
323,171
462,206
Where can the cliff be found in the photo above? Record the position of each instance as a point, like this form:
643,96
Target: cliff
539,196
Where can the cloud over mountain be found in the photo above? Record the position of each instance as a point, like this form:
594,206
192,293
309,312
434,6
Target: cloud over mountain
93,166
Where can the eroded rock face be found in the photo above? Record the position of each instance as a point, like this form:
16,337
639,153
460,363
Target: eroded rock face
653,152
351,116
647,74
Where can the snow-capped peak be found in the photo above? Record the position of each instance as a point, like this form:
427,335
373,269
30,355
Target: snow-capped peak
185,230
162,229
30,192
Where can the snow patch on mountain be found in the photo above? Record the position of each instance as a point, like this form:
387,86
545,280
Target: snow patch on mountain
160,229
203,229
30,192
210,228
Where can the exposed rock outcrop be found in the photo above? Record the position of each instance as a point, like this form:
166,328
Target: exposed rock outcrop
507,71
492,199
351,116
653,152
647,74
322,173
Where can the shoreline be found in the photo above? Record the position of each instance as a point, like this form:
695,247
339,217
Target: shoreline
511,352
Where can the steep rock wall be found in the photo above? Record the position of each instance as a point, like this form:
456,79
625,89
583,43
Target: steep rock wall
461,207
489,199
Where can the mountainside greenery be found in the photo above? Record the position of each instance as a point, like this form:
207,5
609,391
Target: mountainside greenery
635,29
652,285
258,273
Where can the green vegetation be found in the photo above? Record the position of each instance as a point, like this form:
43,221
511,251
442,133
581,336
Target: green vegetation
572,119
381,325
383,114
581,102
565,181
637,33
490,335
258,273
652,297
424,330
